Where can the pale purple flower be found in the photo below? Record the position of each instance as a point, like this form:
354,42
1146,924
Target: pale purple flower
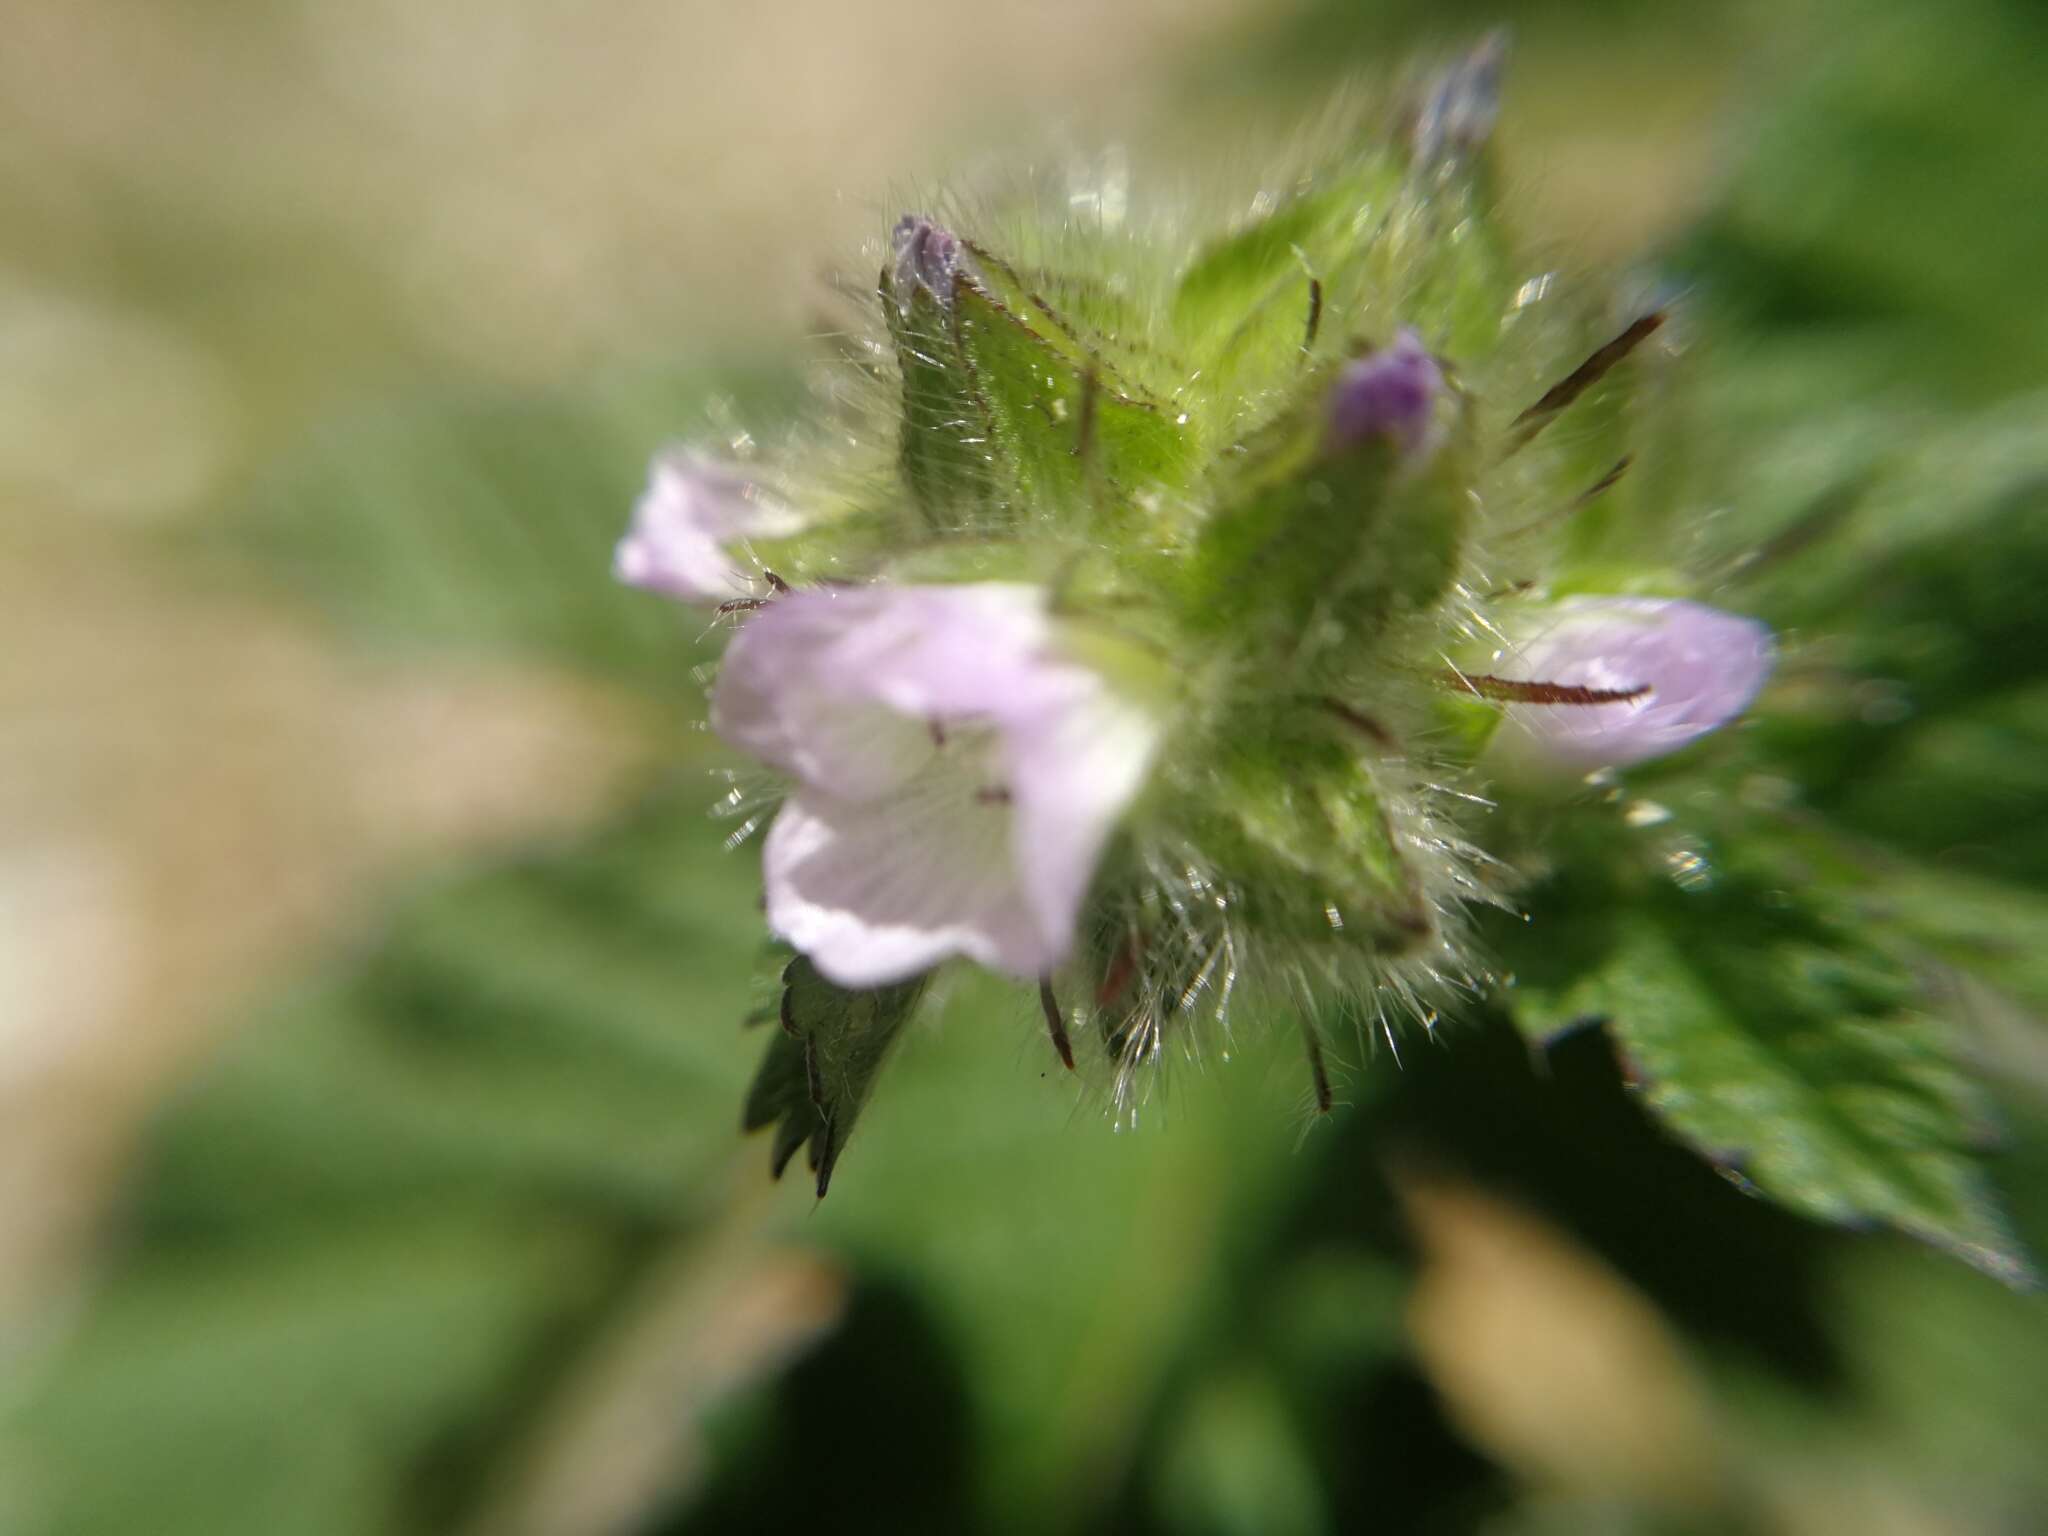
957,774
1390,393
695,511
1702,667
927,256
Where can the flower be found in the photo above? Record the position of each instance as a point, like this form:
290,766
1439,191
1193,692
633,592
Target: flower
1389,393
1702,667
927,256
957,774
694,508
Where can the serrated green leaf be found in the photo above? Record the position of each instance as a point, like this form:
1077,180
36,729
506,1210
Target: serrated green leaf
1786,1047
820,1069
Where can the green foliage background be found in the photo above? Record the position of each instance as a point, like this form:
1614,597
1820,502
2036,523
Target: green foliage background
444,1237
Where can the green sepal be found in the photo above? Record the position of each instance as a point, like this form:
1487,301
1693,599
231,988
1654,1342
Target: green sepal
945,453
1255,306
821,1065
1066,431
1313,549
1293,814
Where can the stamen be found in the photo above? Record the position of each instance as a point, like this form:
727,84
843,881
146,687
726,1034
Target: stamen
1509,690
1315,313
1055,1022
1583,378
1318,1070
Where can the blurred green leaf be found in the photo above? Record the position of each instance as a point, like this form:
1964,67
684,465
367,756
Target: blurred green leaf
1071,1260
1894,194
1901,555
305,1383
1236,1465
481,522
363,1241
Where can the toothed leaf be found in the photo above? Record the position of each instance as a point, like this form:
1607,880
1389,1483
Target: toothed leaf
820,1068
1784,1045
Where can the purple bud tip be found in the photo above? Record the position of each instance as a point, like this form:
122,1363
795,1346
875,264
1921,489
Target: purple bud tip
1389,393
927,257
1459,106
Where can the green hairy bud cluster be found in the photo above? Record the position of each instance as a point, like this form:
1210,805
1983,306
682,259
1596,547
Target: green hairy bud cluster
1273,480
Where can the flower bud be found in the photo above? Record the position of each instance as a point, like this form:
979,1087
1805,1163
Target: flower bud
927,257
1389,393
1702,668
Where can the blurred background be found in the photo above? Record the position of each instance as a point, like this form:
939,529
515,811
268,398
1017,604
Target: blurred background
372,978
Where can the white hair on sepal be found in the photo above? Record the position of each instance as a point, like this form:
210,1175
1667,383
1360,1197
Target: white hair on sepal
750,796
1181,969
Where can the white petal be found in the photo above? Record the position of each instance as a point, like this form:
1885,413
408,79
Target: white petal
685,526
1073,773
959,774
878,892
797,689
852,689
